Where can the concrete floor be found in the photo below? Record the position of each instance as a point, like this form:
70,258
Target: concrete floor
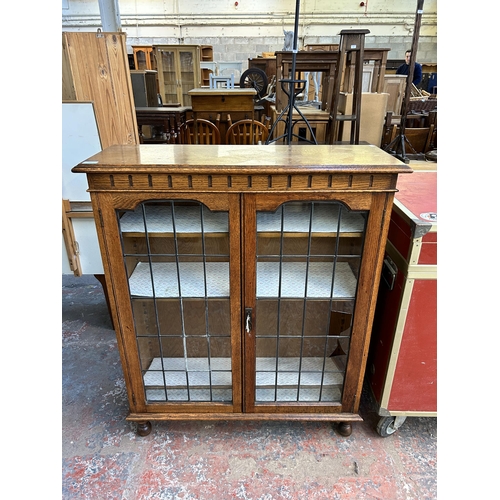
104,458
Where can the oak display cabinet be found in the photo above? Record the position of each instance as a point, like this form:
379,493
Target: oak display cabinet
242,280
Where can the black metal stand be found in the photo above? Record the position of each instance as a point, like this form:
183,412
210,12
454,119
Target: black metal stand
292,93
397,146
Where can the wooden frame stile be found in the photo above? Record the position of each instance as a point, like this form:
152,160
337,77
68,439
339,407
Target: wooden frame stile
109,240
123,321
366,299
376,233
248,244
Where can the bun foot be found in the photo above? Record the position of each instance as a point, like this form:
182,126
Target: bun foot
143,428
345,429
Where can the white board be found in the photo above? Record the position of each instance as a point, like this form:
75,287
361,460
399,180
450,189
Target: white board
80,139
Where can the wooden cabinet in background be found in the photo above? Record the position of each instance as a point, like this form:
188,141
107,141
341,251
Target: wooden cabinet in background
266,64
178,72
145,88
143,57
395,86
207,56
95,68
243,279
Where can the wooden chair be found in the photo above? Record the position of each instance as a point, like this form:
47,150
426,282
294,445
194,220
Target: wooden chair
247,132
420,131
207,132
419,140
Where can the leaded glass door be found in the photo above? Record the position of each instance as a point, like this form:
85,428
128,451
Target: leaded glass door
306,264
177,256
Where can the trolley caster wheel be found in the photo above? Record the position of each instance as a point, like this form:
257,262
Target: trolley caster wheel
143,428
389,425
345,429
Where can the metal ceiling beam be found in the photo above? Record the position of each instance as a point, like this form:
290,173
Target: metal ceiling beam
110,16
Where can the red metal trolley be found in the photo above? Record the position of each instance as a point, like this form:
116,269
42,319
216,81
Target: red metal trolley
402,361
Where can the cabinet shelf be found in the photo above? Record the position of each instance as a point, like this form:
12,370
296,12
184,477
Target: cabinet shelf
297,220
193,276
187,220
317,375
293,280
208,380
214,378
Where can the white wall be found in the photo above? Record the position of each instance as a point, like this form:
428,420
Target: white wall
252,27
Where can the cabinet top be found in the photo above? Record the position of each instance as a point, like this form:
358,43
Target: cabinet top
236,159
222,91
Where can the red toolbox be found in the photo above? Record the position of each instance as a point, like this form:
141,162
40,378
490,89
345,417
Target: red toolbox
402,360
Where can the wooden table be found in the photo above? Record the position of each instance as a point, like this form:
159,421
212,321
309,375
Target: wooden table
325,62
169,118
223,101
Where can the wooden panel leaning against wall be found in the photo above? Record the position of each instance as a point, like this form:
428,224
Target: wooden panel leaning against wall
95,68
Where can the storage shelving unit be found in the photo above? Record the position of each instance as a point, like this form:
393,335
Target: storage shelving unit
242,278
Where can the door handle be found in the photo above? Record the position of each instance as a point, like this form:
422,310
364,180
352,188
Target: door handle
248,319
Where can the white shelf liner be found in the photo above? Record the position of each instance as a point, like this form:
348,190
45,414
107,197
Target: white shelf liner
288,372
310,389
187,220
191,279
174,379
327,394
197,373
220,395
293,279
297,220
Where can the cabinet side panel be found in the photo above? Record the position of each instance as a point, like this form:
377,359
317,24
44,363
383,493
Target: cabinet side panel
400,234
384,325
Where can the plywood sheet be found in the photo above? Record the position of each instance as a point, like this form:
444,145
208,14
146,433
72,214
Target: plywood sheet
95,68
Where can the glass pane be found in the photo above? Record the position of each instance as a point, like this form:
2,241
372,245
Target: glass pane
308,258
187,75
177,259
167,67
141,59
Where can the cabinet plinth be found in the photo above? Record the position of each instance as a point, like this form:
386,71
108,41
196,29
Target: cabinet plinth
242,279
